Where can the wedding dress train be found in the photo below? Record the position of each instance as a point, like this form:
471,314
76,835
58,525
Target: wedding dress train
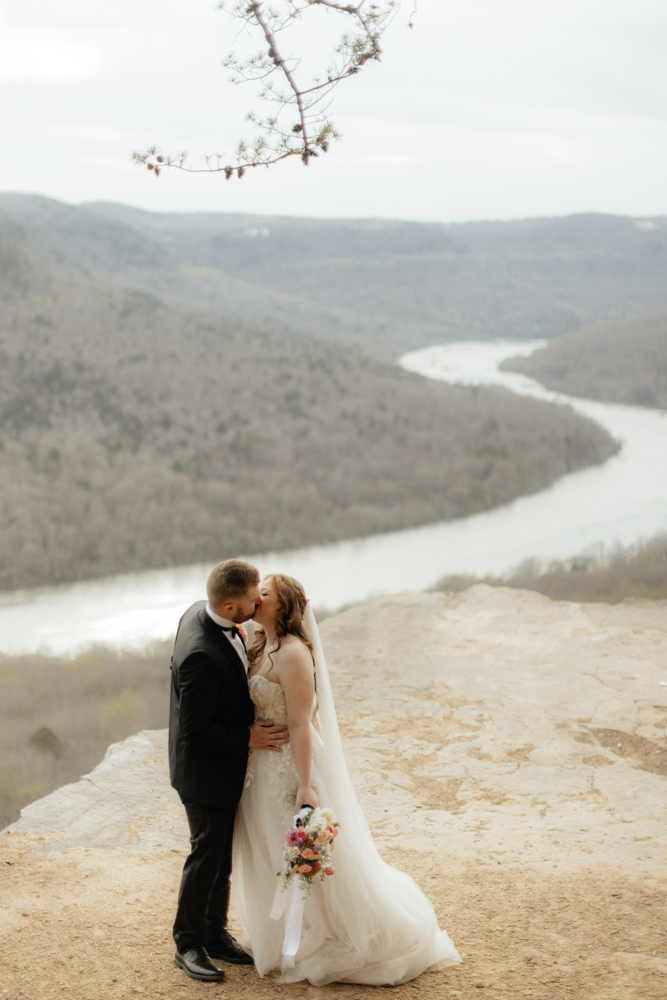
368,923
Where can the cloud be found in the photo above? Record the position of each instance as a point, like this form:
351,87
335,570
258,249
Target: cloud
28,54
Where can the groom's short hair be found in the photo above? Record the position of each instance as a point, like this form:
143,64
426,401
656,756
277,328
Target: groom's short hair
230,580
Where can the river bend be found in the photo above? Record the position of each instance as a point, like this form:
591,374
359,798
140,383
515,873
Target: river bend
621,501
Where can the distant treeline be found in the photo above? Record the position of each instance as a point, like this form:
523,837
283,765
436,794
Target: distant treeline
620,362
637,571
58,716
139,433
376,285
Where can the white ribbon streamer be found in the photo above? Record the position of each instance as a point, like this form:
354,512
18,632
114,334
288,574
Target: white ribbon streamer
292,904
279,903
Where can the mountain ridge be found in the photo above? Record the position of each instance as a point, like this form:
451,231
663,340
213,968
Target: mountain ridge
380,286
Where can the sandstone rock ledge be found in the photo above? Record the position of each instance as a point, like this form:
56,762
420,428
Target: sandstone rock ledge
511,754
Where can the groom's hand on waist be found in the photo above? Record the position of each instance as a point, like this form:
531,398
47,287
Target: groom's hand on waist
265,735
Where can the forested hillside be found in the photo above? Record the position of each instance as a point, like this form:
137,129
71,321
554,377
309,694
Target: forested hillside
383,287
621,362
137,432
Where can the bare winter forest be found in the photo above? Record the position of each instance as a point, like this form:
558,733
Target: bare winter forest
636,571
138,431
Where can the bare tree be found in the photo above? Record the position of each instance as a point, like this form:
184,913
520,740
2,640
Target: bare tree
299,123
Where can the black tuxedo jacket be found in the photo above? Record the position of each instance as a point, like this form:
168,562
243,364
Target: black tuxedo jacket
209,713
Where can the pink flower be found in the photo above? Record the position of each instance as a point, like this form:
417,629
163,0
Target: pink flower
308,853
239,628
304,869
291,837
301,834
330,871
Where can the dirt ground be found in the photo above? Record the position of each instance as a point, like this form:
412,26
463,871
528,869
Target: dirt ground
87,924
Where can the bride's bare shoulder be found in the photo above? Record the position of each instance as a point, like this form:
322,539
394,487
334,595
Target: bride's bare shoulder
295,652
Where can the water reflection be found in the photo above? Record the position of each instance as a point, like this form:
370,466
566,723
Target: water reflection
621,501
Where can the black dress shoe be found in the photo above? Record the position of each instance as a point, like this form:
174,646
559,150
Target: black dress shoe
196,963
228,950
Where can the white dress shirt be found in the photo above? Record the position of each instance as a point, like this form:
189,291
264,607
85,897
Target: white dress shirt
236,640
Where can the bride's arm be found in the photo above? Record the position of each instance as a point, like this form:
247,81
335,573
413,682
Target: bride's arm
296,678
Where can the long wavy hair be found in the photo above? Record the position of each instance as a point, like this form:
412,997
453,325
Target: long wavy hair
291,608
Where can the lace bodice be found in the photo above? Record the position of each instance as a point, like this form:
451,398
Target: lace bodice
280,768
268,699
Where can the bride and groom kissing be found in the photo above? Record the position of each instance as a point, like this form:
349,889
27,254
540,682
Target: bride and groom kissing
253,737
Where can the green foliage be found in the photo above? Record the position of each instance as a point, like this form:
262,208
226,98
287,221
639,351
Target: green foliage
620,362
58,716
638,571
86,663
9,792
45,739
123,715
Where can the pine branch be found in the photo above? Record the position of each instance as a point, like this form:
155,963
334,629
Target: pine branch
313,130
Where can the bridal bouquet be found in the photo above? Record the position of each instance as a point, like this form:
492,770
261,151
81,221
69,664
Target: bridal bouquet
307,853
308,848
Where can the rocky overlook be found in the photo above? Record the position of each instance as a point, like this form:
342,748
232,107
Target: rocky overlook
510,752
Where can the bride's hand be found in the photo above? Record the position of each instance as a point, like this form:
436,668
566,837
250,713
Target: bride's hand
306,796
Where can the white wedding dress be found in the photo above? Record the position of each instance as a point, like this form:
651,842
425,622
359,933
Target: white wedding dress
368,923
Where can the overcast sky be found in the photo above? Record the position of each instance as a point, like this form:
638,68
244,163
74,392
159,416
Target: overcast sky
488,109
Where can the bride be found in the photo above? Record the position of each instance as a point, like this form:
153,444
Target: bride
369,923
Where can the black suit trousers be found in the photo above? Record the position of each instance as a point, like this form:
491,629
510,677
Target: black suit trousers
203,899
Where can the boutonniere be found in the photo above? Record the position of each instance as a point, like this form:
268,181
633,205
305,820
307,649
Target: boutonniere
242,632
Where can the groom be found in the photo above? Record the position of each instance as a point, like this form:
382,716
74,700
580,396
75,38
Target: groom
211,729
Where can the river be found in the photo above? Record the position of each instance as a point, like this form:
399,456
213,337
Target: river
622,501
